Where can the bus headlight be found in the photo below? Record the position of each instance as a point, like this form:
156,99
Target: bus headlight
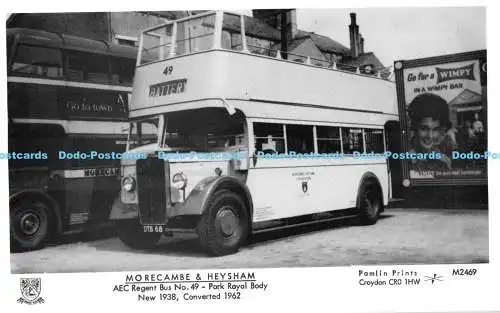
179,180
128,184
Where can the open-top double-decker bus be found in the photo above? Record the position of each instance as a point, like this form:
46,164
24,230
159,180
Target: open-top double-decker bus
246,142
66,95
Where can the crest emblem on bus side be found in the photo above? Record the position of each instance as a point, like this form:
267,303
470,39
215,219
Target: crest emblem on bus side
30,290
304,186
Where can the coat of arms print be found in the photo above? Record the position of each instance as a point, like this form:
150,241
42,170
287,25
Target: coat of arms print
30,291
304,186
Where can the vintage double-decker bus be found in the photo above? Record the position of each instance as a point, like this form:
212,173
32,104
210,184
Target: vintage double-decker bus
65,94
246,142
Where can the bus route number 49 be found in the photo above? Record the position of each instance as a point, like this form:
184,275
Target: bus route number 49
153,228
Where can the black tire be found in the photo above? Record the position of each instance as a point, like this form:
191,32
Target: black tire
370,203
131,233
30,224
224,225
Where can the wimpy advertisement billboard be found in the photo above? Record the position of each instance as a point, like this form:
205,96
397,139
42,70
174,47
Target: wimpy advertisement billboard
443,114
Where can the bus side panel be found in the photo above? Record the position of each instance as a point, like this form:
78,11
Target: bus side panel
286,188
76,197
20,180
27,99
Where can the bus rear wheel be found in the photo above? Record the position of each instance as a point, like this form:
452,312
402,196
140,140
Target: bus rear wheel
369,203
131,233
224,225
29,225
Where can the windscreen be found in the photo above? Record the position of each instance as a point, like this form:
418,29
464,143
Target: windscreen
204,130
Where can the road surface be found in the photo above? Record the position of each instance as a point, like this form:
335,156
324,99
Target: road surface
401,236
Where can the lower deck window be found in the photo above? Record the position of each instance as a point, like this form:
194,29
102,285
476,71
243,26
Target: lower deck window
329,140
352,140
269,137
300,138
374,139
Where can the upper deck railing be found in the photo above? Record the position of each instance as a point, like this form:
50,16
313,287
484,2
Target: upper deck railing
223,30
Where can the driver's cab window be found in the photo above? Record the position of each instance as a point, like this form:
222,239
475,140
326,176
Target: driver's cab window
204,130
233,141
143,132
269,137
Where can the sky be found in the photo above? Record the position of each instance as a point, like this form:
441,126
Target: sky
403,33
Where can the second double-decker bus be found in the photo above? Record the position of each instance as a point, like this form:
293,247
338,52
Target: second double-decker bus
66,95
245,142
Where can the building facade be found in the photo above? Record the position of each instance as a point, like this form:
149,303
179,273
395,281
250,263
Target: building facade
117,27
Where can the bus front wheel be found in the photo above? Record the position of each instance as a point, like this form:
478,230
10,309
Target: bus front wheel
29,225
131,233
369,202
224,225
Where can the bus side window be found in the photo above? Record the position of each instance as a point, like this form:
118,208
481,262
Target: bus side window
97,67
34,138
269,137
374,140
122,71
352,140
300,138
75,66
10,44
87,67
37,61
328,139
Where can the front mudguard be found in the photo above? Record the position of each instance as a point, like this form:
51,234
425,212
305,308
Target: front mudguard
192,205
197,201
122,211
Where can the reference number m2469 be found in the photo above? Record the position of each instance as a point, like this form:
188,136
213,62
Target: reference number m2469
463,271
